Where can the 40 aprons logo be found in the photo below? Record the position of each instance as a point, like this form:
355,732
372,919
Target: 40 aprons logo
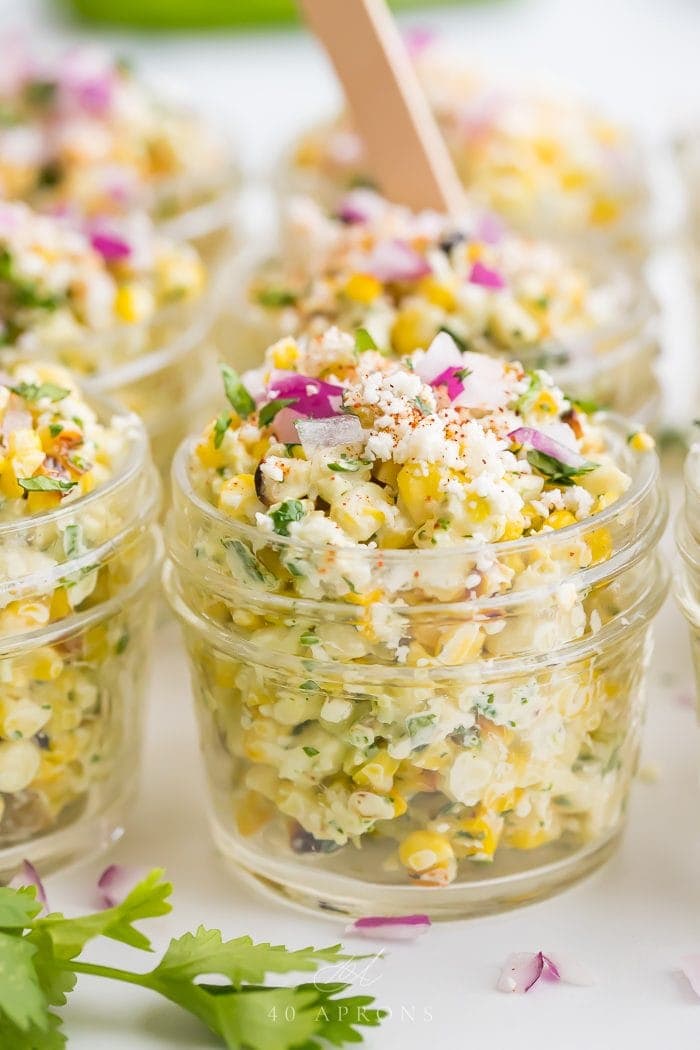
360,972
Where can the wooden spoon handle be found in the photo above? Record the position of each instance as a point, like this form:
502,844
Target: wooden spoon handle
407,154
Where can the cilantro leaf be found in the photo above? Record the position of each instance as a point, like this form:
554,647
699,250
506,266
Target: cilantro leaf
555,471
238,397
348,466
18,907
364,341
239,960
254,568
147,900
50,1038
276,297
290,510
220,427
21,997
269,411
37,391
44,483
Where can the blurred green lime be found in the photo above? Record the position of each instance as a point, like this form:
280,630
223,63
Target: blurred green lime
203,14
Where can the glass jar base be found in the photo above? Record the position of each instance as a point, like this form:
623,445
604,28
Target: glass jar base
346,898
81,841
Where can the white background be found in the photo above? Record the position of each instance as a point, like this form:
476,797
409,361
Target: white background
632,922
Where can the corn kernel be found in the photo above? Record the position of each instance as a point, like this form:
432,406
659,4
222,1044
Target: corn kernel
285,353
559,519
641,441
253,812
378,773
363,288
438,293
422,850
604,211
134,303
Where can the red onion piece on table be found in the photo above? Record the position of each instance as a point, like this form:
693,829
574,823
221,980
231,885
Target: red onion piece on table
29,876
390,928
116,883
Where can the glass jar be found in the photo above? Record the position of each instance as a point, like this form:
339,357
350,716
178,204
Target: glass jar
611,366
687,583
164,370
77,587
376,743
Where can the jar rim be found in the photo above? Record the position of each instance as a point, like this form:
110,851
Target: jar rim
138,457
644,481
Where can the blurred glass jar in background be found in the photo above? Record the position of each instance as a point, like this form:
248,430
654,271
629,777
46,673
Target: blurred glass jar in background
403,277
128,311
79,553
552,167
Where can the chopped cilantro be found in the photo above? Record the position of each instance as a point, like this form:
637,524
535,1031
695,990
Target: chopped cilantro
311,751
37,391
269,411
238,397
276,297
364,341
290,510
347,466
43,483
555,471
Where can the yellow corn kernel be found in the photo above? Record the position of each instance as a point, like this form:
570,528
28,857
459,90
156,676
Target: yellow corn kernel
253,812
419,490
600,545
546,150
513,530
225,673
438,293
545,404
408,332
573,179
478,836
8,482
386,472
87,482
378,773
285,353
208,455
45,664
428,856
478,508
238,498
604,211
24,451
641,441
133,303
60,606
475,251
559,519
38,501
307,154
399,803
366,599
363,288
521,838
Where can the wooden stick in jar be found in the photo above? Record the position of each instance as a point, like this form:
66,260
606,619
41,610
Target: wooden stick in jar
407,154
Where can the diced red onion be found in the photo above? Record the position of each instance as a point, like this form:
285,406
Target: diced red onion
314,397
328,433
489,228
486,277
116,883
450,379
690,965
396,261
521,971
442,354
390,927
485,386
110,246
29,876
283,427
15,419
255,382
541,442
360,206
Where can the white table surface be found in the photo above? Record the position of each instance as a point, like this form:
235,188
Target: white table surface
631,922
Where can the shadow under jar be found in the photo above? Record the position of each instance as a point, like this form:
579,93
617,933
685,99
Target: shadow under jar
77,588
391,731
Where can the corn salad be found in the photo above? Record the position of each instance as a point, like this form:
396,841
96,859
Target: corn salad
404,277
77,499
362,601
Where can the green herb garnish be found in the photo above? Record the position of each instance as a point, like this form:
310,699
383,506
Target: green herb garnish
309,638
348,466
555,471
37,391
311,751
276,297
415,723
364,341
42,961
221,425
290,510
269,411
254,568
238,397
43,483
72,541
40,92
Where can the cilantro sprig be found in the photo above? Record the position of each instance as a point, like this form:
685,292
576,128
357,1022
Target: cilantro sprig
40,962
555,471
237,395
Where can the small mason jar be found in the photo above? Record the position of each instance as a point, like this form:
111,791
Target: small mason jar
384,745
687,583
77,589
611,366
